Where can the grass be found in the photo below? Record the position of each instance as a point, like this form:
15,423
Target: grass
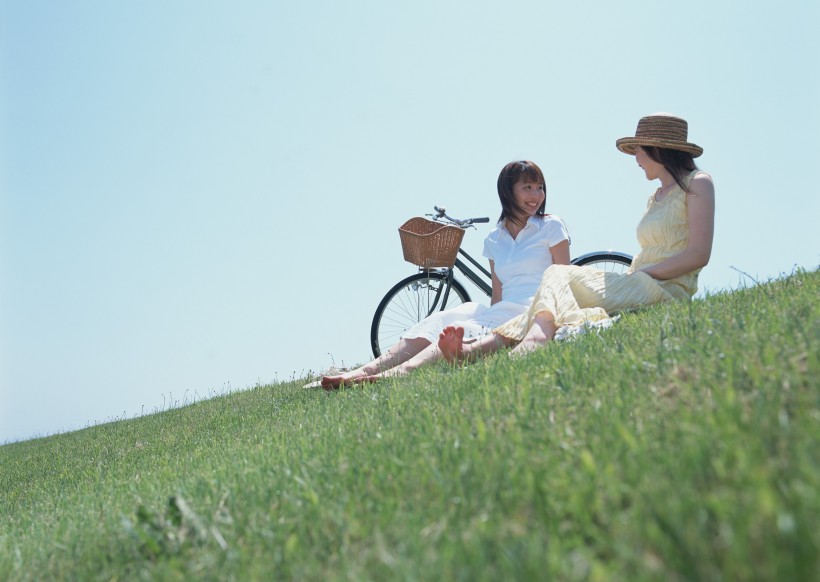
681,444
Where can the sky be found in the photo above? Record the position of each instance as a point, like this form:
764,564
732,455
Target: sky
199,197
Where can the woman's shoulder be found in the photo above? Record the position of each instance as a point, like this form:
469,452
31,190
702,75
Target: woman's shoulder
495,232
552,228
548,220
701,184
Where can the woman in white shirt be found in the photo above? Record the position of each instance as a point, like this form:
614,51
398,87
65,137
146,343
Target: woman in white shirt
523,244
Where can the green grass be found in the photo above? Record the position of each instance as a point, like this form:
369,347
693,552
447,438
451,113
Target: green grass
681,444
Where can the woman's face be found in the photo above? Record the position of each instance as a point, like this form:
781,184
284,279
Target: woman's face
651,168
529,196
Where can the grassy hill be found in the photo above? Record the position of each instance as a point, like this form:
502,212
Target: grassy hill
681,444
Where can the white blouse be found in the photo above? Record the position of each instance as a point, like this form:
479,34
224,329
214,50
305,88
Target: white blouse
520,262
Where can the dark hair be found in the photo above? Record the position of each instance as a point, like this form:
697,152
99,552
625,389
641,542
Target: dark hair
510,175
676,162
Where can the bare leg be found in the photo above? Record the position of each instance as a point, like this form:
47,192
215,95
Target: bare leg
455,349
404,350
428,355
541,331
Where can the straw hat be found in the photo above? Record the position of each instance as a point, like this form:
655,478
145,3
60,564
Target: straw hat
662,130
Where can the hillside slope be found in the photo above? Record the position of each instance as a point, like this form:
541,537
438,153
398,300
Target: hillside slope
682,443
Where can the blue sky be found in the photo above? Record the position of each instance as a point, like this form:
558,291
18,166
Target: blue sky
201,196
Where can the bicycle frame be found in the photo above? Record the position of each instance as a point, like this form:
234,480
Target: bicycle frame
477,281
467,272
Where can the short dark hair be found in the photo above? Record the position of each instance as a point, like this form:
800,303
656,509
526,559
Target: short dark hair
510,175
677,162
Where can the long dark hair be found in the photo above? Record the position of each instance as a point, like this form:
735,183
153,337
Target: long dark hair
676,162
509,177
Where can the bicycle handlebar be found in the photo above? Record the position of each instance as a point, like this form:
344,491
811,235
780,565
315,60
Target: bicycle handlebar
460,222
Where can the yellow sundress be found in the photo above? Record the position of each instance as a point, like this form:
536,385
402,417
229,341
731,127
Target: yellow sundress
575,295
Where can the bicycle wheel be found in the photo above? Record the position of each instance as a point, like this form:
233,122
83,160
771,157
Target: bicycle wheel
609,261
407,303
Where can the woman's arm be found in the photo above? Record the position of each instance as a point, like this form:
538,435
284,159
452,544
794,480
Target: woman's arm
560,253
496,296
701,220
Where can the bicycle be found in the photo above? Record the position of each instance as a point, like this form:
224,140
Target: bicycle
435,288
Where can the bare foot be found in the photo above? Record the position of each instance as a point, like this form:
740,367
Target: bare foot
450,343
333,382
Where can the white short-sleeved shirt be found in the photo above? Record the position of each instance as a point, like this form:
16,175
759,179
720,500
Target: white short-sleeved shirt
519,265
520,262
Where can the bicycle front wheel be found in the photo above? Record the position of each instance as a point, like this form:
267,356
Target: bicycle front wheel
609,261
407,303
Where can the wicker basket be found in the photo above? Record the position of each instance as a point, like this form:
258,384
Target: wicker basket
430,244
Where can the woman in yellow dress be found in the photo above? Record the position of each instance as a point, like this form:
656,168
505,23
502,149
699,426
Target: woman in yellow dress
675,235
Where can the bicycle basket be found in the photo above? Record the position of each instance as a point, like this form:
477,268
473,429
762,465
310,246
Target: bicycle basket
430,244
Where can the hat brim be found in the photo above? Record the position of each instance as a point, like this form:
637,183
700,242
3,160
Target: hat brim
628,144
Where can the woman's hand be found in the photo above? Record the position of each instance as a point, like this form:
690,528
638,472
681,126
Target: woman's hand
700,203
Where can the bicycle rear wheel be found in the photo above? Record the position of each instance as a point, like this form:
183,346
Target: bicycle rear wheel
609,261
407,303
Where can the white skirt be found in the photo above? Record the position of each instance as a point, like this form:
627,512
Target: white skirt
477,320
